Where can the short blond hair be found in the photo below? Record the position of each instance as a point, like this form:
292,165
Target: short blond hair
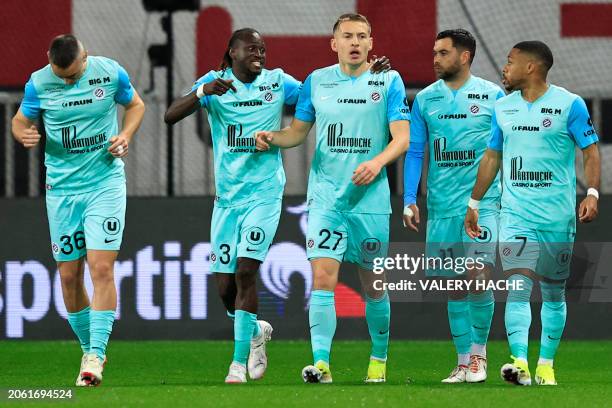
351,17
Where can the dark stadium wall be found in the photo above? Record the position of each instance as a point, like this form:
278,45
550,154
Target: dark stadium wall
167,292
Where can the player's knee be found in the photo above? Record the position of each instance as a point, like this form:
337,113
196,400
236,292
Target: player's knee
372,293
553,293
324,279
102,272
226,287
246,273
520,287
69,280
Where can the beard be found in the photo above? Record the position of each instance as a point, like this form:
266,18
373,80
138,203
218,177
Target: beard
508,86
450,73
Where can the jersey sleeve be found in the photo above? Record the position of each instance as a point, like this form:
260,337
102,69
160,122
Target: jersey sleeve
580,125
413,163
30,105
304,110
209,77
397,103
496,139
418,127
292,89
125,90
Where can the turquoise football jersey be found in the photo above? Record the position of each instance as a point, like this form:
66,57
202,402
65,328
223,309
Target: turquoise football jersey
352,116
242,173
79,120
538,143
456,126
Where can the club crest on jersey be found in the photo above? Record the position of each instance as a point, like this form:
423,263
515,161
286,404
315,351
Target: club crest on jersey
269,96
55,248
213,257
474,109
99,93
547,123
310,243
375,96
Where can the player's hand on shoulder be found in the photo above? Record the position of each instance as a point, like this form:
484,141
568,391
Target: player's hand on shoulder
588,211
378,65
411,217
119,145
366,172
263,139
30,137
218,87
471,223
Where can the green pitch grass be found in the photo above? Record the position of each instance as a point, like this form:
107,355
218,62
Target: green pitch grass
176,374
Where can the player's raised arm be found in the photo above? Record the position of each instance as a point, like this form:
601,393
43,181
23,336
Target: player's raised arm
291,136
186,105
398,115
294,134
367,171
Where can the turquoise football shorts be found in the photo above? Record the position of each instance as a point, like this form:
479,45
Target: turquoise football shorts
347,237
92,220
547,253
446,239
244,231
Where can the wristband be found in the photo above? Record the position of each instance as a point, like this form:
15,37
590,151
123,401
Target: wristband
473,204
593,192
200,92
408,211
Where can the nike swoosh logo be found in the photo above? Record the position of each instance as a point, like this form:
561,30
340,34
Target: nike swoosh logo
480,252
251,250
434,112
108,241
323,98
552,338
315,325
460,334
516,331
479,328
383,332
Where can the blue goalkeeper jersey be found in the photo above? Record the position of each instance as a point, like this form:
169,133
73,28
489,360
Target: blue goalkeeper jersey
242,173
352,125
456,126
538,143
79,120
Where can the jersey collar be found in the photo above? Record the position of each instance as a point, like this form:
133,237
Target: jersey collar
341,75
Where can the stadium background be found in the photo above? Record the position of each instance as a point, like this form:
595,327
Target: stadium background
166,290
